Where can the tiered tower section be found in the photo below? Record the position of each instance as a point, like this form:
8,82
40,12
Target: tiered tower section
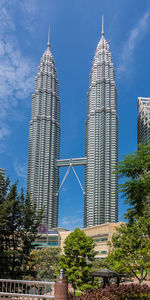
101,200
143,120
44,140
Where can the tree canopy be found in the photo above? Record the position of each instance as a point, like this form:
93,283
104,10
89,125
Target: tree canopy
19,223
78,257
136,188
130,250
44,262
130,246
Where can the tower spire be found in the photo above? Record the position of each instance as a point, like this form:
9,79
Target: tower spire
102,33
48,43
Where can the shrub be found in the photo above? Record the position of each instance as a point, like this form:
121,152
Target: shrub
113,292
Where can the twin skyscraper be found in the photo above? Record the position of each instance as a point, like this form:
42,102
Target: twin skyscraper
101,141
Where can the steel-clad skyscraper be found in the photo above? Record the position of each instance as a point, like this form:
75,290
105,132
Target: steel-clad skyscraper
101,200
143,120
101,147
44,140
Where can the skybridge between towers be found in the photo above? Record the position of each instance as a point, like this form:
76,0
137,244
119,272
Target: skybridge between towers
70,163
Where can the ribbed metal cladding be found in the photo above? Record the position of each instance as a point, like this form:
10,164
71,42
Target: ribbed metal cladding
44,141
101,145
143,120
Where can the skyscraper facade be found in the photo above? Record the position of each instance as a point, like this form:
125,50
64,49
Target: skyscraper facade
143,120
44,140
2,172
101,147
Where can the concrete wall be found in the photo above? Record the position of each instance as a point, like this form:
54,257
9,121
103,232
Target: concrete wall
101,234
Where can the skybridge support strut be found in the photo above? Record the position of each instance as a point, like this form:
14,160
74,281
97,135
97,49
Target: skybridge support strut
70,163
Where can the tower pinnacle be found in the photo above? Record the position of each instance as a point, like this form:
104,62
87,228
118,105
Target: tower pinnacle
48,43
102,33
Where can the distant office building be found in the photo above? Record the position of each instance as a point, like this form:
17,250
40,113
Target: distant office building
43,177
143,120
101,199
2,172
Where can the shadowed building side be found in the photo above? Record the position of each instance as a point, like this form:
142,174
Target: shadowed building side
44,141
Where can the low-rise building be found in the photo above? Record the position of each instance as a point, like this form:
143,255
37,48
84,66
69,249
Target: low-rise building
101,235
51,238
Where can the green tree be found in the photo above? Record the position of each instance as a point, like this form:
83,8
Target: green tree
19,223
136,188
99,264
130,250
44,262
9,236
77,259
29,228
130,246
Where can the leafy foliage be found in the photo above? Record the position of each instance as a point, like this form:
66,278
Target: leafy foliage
99,264
77,259
136,189
130,250
19,222
130,247
44,262
113,292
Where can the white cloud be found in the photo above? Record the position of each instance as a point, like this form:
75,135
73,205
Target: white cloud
16,77
29,9
16,70
135,36
20,170
4,132
71,222
29,6
5,20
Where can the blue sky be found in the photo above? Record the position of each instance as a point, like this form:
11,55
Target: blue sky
75,31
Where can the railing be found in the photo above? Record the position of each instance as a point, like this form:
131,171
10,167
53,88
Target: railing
25,289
